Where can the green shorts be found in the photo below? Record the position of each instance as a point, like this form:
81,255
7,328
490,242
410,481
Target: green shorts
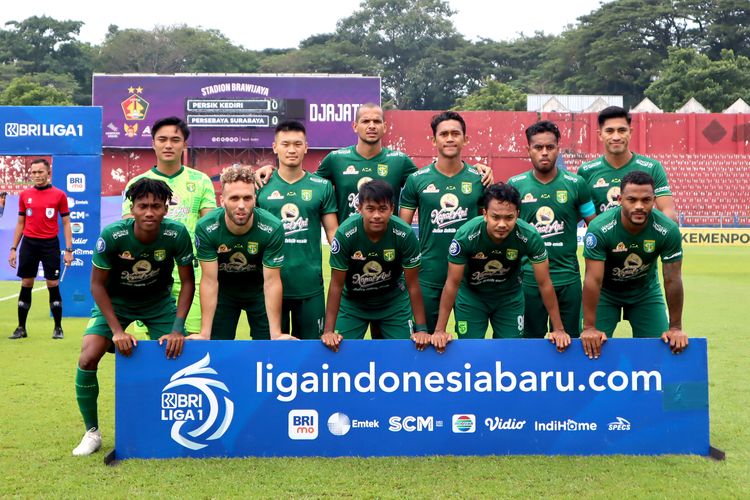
645,310
307,316
472,312
536,319
431,299
158,317
394,318
193,320
227,316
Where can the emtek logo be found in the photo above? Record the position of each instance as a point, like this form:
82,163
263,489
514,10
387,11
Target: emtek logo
43,130
303,424
76,183
464,423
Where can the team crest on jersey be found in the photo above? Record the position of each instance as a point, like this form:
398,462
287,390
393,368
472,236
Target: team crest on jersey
600,182
562,196
252,247
49,212
307,194
222,248
649,246
528,198
620,247
358,256
350,170
431,189
275,196
389,254
190,186
511,254
463,327
126,255
160,255
382,169
466,187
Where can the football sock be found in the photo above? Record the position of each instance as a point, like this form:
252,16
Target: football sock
87,392
55,304
24,304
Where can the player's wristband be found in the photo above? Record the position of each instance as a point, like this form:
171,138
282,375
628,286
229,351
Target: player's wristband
69,249
179,325
13,248
420,328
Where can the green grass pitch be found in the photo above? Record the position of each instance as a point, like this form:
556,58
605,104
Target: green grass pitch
40,425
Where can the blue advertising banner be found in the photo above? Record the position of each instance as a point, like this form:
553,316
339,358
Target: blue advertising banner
383,398
52,130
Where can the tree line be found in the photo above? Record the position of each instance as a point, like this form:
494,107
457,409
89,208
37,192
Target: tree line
667,50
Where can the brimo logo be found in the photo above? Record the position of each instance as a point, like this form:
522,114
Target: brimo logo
187,404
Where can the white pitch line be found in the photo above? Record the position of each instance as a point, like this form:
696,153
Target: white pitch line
3,299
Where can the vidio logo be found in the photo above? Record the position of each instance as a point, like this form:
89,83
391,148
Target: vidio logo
189,399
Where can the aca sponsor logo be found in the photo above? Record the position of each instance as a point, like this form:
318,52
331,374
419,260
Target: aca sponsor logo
190,402
413,424
303,425
464,423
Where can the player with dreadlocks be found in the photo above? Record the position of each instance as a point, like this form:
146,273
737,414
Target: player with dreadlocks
132,280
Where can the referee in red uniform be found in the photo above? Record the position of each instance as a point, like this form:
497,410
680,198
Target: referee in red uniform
38,209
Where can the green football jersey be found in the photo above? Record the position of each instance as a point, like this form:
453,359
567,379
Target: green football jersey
630,259
300,206
141,273
374,270
491,267
444,204
604,180
347,170
554,209
241,257
192,191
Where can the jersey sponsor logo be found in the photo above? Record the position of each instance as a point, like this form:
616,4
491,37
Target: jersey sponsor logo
649,246
609,225
291,193
222,249
350,170
265,228
659,228
275,196
177,210
613,199
160,255
450,212
49,212
399,233
455,248
389,254
119,234
237,264
511,254
633,267
382,169
126,255
431,189
141,271
358,256
674,255
189,399
561,196
479,255
306,194
492,269
291,220
600,183
372,275
546,225
252,247
101,245
170,233
644,163
466,187
590,240
335,246
663,189
620,247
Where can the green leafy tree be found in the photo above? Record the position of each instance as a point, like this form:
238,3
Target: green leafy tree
493,96
327,56
24,91
715,84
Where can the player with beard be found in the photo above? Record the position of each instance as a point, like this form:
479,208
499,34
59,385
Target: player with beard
241,251
484,266
553,201
131,280
621,249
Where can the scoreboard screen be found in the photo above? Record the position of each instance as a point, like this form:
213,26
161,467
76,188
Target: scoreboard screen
235,111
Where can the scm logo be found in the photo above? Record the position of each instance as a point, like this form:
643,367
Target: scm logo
411,424
303,424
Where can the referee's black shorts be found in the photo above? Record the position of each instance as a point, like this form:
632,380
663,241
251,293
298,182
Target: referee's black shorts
36,250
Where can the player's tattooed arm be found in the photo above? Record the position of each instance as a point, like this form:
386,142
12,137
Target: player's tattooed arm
124,342
591,338
330,338
558,336
440,337
675,295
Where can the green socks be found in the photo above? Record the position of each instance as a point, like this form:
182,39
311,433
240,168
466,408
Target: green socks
87,392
